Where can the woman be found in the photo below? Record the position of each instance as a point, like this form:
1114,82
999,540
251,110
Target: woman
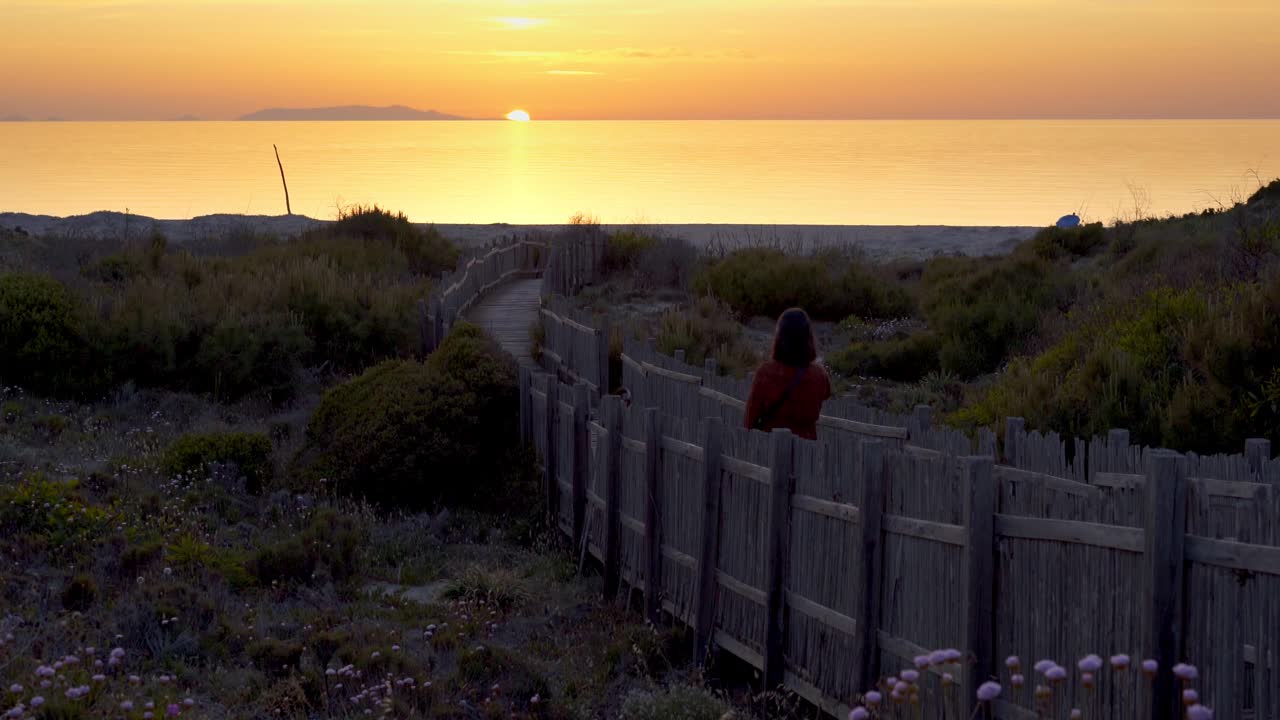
788,391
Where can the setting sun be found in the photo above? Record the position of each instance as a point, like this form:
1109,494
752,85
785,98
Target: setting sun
518,116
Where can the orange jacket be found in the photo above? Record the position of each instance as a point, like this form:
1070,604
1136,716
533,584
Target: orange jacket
799,413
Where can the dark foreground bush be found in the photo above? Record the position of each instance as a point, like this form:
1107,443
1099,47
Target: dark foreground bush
43,347
902,359
410,434
193,453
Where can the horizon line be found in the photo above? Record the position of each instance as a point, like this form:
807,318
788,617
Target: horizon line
863,118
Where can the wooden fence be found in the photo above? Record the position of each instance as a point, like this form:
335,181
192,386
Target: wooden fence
825,563
477,272
577,261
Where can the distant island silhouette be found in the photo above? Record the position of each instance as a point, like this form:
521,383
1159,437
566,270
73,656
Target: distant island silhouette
351,112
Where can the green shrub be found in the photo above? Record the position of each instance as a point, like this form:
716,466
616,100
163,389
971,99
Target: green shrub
275,658
829,285
623,249
902,359
1183,369
340,297
675,703
52,514
409,434
706,330
193,453
43,347
80,593
428,252
984,310
1053,243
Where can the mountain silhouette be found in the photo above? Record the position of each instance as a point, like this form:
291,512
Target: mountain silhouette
350,112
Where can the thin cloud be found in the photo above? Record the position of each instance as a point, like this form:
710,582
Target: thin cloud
520,23
573,73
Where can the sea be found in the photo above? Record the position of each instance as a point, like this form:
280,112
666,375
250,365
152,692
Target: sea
860,172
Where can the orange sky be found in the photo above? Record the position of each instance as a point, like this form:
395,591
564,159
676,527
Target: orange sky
154,59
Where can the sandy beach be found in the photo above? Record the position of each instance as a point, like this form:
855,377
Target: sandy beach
878,241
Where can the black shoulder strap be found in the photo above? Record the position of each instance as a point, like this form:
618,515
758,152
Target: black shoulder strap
767,416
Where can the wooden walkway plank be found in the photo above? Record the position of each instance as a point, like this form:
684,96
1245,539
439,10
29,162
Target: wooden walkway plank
506,314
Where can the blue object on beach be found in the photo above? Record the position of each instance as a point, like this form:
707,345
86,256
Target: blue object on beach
1069,221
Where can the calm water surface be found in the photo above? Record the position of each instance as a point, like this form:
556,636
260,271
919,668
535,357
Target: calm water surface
786,172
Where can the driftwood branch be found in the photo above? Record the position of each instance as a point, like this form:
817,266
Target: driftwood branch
287,207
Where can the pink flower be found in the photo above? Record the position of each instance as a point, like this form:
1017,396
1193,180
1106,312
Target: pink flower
148,715
1150,667
1056,673
1076,714
1199,712
988,691
189,702
1120,662
172,710
1185,672
45,671
952,655
117,652
15,688
872,698
859,713
1088,679
1017,680
37,701
1042,666
900,688
1090,664
921,661
1013,662
126,705
947,679
1190,697
937,657
99,678
910,676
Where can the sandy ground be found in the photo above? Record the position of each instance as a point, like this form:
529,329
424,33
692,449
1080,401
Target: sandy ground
879,241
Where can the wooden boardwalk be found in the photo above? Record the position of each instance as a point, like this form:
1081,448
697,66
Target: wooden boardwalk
507,312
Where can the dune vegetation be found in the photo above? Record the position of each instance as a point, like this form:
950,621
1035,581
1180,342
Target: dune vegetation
229,488
1166,326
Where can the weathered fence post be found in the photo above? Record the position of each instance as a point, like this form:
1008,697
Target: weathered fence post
611,410
921,416
778,535
709,555
709,369
602,342
526,404
1013,429
424,330
437,322
652,531
550,480
870,517
1257,451
1166,511
679,356
581,453
980,515
1118,448
450,319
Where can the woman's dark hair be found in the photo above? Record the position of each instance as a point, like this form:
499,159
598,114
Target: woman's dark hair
793,342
